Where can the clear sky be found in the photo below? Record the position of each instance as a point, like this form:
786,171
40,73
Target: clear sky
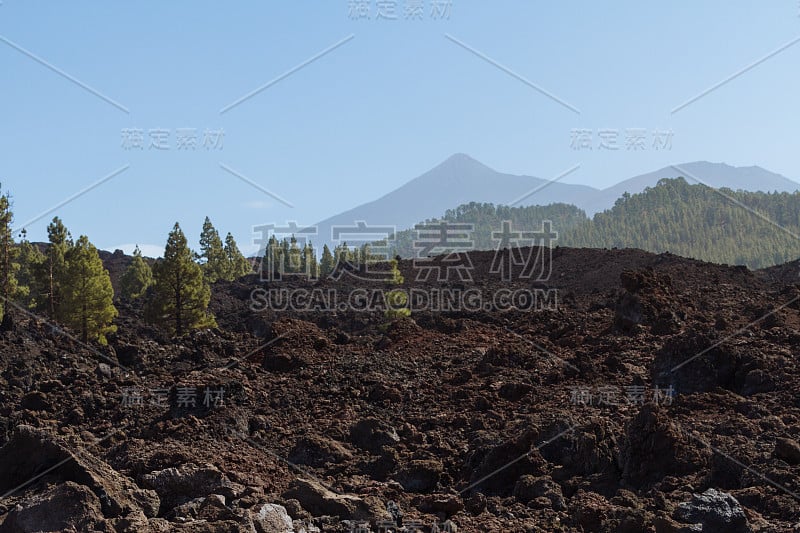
384,101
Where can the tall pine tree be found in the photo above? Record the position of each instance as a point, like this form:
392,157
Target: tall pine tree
8,252
181,295
326,263
212,253
237,263
31,292
60,243
137,277
310,266
87,304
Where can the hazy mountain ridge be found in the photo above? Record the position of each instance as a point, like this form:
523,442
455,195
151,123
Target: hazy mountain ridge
674,216
461,180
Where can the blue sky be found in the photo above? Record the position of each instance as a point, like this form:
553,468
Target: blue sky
391,102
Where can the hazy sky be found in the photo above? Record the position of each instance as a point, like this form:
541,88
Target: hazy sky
384,101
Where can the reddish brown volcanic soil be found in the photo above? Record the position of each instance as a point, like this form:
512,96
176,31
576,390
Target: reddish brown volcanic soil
498,421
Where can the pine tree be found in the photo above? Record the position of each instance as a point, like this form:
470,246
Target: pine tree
286,261
237,263
310,265
396,299
181,295
295,256
87,305
326,263
137,277
60,243
212,253
8,252
271,261
32,264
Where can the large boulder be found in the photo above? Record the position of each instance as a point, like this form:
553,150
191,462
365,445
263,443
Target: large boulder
654,446
178,485
63,507
696,361
788,450
318,500
31,452
318,452
495,470
420,475
531,488
271,518
372,434
714,511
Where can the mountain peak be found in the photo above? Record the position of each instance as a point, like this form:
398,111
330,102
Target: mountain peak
461,160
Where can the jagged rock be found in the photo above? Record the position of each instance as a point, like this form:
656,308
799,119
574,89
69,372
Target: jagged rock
213,509
372,434
35,401
714,511
271,518
590,510
63,507
177,485
514,392
757,381
531,487
317,452
104,371
788,450
654,447
500,477
628,312
587,450
447,505
187,510
318,500
420,475
645,300
696,361
31,450
476,503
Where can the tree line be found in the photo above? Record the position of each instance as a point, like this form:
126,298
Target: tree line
285,257
66,281
755,229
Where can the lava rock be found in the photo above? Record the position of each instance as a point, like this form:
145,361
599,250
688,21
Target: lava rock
271,518
63,507
654,447
177,485
531,487
420,475
788,450
32,450
371,434
714,511
318,452
319,500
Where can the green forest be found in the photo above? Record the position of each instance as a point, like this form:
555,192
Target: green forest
755,229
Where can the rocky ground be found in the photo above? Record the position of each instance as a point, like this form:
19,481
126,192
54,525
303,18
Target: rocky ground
660,394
